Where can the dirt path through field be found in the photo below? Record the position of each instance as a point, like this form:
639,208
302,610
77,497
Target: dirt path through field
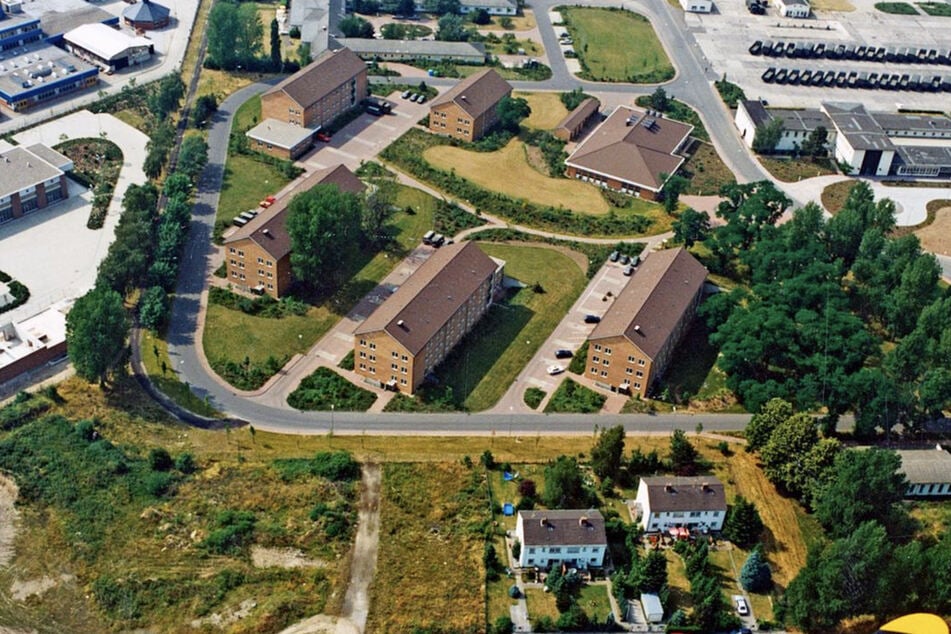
356,602
8,518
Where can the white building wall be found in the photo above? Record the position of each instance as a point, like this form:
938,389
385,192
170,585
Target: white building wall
697,6
744,124
581,556
653,522
794,10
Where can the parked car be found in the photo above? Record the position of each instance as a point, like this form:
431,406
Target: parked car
406,94
614,256
323,137
629,270
591,319
428,237
625,259
438,240
421,98
555,369
742,608
563,353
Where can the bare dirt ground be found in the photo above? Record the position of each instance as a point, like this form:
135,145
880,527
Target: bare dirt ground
356,602
8,518
282,558
936,237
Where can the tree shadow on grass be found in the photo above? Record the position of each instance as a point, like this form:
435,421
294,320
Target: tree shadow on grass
693,360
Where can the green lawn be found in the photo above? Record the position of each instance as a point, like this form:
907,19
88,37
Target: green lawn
572,397
594,601
936,8
540,603
897,8
161,372
706,171
282,338
616,45
487,360
324,389
792,170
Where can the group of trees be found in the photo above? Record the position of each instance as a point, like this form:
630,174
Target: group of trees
820,300
768,135
235,40
164,97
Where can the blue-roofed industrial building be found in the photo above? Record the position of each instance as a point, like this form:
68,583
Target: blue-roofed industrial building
18,30
39,72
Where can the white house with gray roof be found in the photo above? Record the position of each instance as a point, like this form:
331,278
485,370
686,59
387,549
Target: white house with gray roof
492,7
575,538
798,124
666,502
928,472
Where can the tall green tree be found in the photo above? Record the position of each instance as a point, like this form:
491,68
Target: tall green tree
193,156
743,525
511,111
755,575
762,424
223,30
564,485
355,26
452,28
815,144
674,186
166,96
276,61
324,226
96,330
608,451
683,455
691,226
865,485
788,444
767,136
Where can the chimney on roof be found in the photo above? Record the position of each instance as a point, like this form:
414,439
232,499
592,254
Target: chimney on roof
637,327
402,324
706,487
544,522
669,488
266,232
583,521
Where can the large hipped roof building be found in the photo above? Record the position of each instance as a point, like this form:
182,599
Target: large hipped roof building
467,111
631,151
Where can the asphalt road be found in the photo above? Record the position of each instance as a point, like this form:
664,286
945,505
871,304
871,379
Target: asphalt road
691,85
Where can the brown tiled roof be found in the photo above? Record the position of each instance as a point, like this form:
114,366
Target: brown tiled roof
269,229
431,295
633,147
702,493
580,114
655,297
554,528
321,77
476,94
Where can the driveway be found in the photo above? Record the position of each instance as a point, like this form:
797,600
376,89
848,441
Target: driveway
51,250
364,138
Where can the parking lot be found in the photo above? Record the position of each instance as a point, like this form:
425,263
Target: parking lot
571,332
366,136
726,35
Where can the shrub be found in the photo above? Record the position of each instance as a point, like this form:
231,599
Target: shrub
159,459
325,389
185,463
23,409
157,483
86,430
232,534
533,397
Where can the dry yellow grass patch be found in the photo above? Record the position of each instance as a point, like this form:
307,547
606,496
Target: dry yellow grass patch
783,538
842,6
223,83
547,109
936,237
507,171
524,22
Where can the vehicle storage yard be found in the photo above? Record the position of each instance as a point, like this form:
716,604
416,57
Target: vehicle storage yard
727,35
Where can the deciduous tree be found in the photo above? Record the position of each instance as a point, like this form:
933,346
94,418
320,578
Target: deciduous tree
324,226
96,330
607,452
743,525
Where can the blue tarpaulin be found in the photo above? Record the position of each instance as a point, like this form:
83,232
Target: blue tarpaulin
508,509
508,476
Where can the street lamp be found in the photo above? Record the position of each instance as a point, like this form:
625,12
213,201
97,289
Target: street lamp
331,420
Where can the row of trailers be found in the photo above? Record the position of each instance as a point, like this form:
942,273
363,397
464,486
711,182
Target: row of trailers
853,52
856,79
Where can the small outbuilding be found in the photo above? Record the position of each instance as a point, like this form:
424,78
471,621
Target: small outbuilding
652,607
146,15
794,8
280,139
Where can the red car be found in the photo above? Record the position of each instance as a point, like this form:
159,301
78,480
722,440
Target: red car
324,137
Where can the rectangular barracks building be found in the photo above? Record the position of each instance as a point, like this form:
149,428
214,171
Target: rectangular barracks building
467,111
31,178
258,255
320,92
632,345
413,331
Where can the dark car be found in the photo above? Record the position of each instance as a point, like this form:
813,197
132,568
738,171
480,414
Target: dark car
591,319
563,353
614,256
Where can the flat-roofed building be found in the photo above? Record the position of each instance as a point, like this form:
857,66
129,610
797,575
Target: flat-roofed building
573,538
405,50
258,255
277,138
335,83
666,502
31,178
110,48
492,7
928,472
632,345
794,8
18,30
697,6
798,124
633,151
41,72
32,342
404,339
571,127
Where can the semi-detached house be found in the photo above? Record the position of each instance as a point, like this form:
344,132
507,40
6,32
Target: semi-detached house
666,502
575,538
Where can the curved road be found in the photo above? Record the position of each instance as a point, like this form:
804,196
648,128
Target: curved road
691,85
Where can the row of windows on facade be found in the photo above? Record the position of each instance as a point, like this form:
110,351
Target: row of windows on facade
372,370
393,366
531,562
261,272
568,549
240,276
606,362
459,120
625,188
394,354
47,94
607,351
240,254
604,374
688,514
